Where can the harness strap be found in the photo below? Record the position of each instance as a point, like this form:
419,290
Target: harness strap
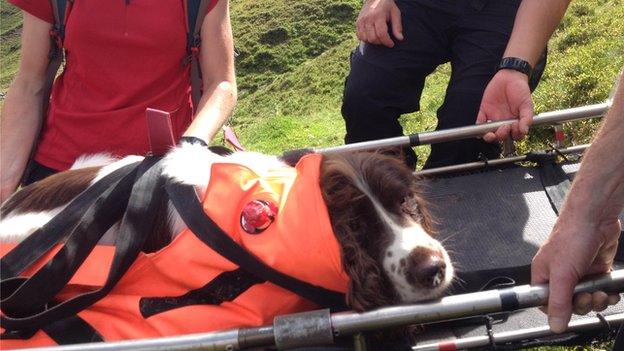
196,11
190,209
26,307
43,239
55,55
556,184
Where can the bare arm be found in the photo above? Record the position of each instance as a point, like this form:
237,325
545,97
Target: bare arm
21,113
217,65
585,237
598,190
508,94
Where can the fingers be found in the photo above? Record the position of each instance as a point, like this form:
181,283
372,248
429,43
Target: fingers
582,303
371,35
395,21
562,282
597,301
502,132
383,36
372,23
525,120
614,299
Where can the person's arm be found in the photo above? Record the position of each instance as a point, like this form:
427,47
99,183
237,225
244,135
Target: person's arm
508,94
372,22
585,237
21,112
217,66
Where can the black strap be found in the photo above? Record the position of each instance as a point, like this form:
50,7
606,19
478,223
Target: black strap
72,330
556,184
42,240
196,11
187,204
26,307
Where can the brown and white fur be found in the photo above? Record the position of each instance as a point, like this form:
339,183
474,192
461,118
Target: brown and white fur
377,215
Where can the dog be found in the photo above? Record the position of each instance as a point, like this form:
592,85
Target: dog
386,248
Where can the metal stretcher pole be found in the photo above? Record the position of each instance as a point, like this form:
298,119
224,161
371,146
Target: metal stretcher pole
425,138
297,326
493,163
585,324
465,305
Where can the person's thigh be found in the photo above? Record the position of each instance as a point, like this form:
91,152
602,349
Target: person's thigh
478,44
384,83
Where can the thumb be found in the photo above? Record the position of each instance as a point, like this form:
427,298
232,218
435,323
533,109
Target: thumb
481,117
562,282
525,116
395,21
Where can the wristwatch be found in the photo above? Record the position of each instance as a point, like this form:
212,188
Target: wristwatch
516,64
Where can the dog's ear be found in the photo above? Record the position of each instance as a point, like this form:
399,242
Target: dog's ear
359,232
292,157
369,286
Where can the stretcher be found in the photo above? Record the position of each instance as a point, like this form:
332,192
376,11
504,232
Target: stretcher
493,215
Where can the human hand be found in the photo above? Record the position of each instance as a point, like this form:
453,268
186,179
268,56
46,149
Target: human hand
506,96
372,22
574,249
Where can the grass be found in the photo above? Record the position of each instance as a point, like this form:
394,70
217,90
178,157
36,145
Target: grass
293,57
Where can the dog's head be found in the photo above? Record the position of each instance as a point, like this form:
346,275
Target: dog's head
384,231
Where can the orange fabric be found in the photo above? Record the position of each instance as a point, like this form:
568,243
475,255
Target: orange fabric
299,243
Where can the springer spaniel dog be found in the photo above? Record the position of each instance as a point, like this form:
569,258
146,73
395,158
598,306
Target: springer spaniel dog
379,220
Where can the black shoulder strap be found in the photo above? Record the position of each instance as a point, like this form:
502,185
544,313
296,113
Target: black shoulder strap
186,202
196,11
55,56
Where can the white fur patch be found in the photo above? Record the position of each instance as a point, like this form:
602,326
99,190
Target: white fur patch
17,227
96,160
405,240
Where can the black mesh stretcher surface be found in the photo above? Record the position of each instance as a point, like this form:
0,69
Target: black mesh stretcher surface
493,220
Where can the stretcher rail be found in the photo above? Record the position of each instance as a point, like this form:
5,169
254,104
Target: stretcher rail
470,166
593,323
350,323
426,138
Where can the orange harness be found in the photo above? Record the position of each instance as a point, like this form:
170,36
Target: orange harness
186,287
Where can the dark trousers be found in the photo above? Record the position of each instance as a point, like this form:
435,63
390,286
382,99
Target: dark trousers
386,82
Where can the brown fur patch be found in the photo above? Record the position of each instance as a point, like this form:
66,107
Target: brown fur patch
49,193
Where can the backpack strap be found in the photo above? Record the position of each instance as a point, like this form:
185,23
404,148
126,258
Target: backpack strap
195,13
55,55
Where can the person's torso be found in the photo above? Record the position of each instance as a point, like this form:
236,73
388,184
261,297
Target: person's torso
122,57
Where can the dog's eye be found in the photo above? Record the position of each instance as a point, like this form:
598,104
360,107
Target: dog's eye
410,207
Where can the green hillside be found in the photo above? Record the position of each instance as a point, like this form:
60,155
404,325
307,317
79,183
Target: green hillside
293,58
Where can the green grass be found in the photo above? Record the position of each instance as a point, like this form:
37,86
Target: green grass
293,58
10,26
300,104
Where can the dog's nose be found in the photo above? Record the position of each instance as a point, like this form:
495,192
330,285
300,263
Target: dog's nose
427,270
433,272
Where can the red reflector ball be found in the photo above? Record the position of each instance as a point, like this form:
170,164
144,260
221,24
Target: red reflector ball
257,216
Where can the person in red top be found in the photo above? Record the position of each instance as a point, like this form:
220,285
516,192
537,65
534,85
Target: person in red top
121,58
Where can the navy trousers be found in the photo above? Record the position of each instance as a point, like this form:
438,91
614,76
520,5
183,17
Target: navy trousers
386,82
